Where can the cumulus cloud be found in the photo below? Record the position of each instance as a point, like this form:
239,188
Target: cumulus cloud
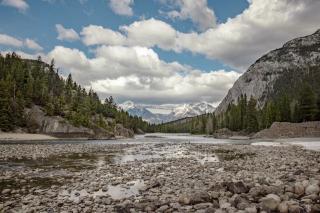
138,73
65,34
122,7
238,42
197,11
14,42
264,26
197,86
21,5
149,33
146,33
95,35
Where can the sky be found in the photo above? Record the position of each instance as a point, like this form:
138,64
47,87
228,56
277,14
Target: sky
154,51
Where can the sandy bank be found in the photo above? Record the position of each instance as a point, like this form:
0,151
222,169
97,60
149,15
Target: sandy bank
24,137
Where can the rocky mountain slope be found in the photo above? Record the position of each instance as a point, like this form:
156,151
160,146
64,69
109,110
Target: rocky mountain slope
262,79
174,112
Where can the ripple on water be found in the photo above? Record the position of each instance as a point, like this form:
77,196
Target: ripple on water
163,153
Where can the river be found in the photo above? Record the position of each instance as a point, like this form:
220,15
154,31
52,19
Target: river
152,172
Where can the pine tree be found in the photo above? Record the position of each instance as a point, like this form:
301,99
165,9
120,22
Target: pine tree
308,103
7,122
252,121
318,112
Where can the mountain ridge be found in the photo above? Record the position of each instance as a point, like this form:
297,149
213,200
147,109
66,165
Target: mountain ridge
258,80
175,111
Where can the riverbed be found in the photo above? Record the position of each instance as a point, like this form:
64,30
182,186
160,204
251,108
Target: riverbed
160,172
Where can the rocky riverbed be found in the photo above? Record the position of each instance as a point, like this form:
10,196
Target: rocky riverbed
158,177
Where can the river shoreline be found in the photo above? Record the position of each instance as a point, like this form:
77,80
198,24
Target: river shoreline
25,137
162,177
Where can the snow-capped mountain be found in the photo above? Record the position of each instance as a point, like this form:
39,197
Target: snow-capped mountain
165,113
191,110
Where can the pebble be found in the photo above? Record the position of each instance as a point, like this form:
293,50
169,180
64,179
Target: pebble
252,177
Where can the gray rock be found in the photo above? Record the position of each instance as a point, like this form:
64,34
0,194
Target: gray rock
6,191
163,208
283,207
175,205
312,189
194,198
251,210
203,205
298,188
236,187
270,202
295,209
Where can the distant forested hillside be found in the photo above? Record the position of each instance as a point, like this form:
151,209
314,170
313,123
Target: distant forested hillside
24,83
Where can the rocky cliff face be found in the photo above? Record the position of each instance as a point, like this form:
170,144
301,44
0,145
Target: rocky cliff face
38,122
121,132
258,81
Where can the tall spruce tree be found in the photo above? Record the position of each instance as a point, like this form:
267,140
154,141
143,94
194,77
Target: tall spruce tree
6,116
308,103
252,119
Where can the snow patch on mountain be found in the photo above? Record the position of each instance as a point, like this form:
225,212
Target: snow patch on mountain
166,112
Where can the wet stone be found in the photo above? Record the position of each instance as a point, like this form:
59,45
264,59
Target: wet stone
163,177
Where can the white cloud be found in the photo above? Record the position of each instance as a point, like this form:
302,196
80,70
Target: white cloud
66,34
149,33
31,44
264,26
198,11
146,33
93,35
138,73
177,88
14,42
238,42
122,7
10,41
21,5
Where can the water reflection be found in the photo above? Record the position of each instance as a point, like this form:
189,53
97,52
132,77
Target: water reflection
116,192
130,189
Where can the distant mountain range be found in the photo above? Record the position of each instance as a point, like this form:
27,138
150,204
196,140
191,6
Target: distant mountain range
164,113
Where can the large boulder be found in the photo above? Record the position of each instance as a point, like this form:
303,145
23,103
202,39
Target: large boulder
39,122
121,132
312,189
270,202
